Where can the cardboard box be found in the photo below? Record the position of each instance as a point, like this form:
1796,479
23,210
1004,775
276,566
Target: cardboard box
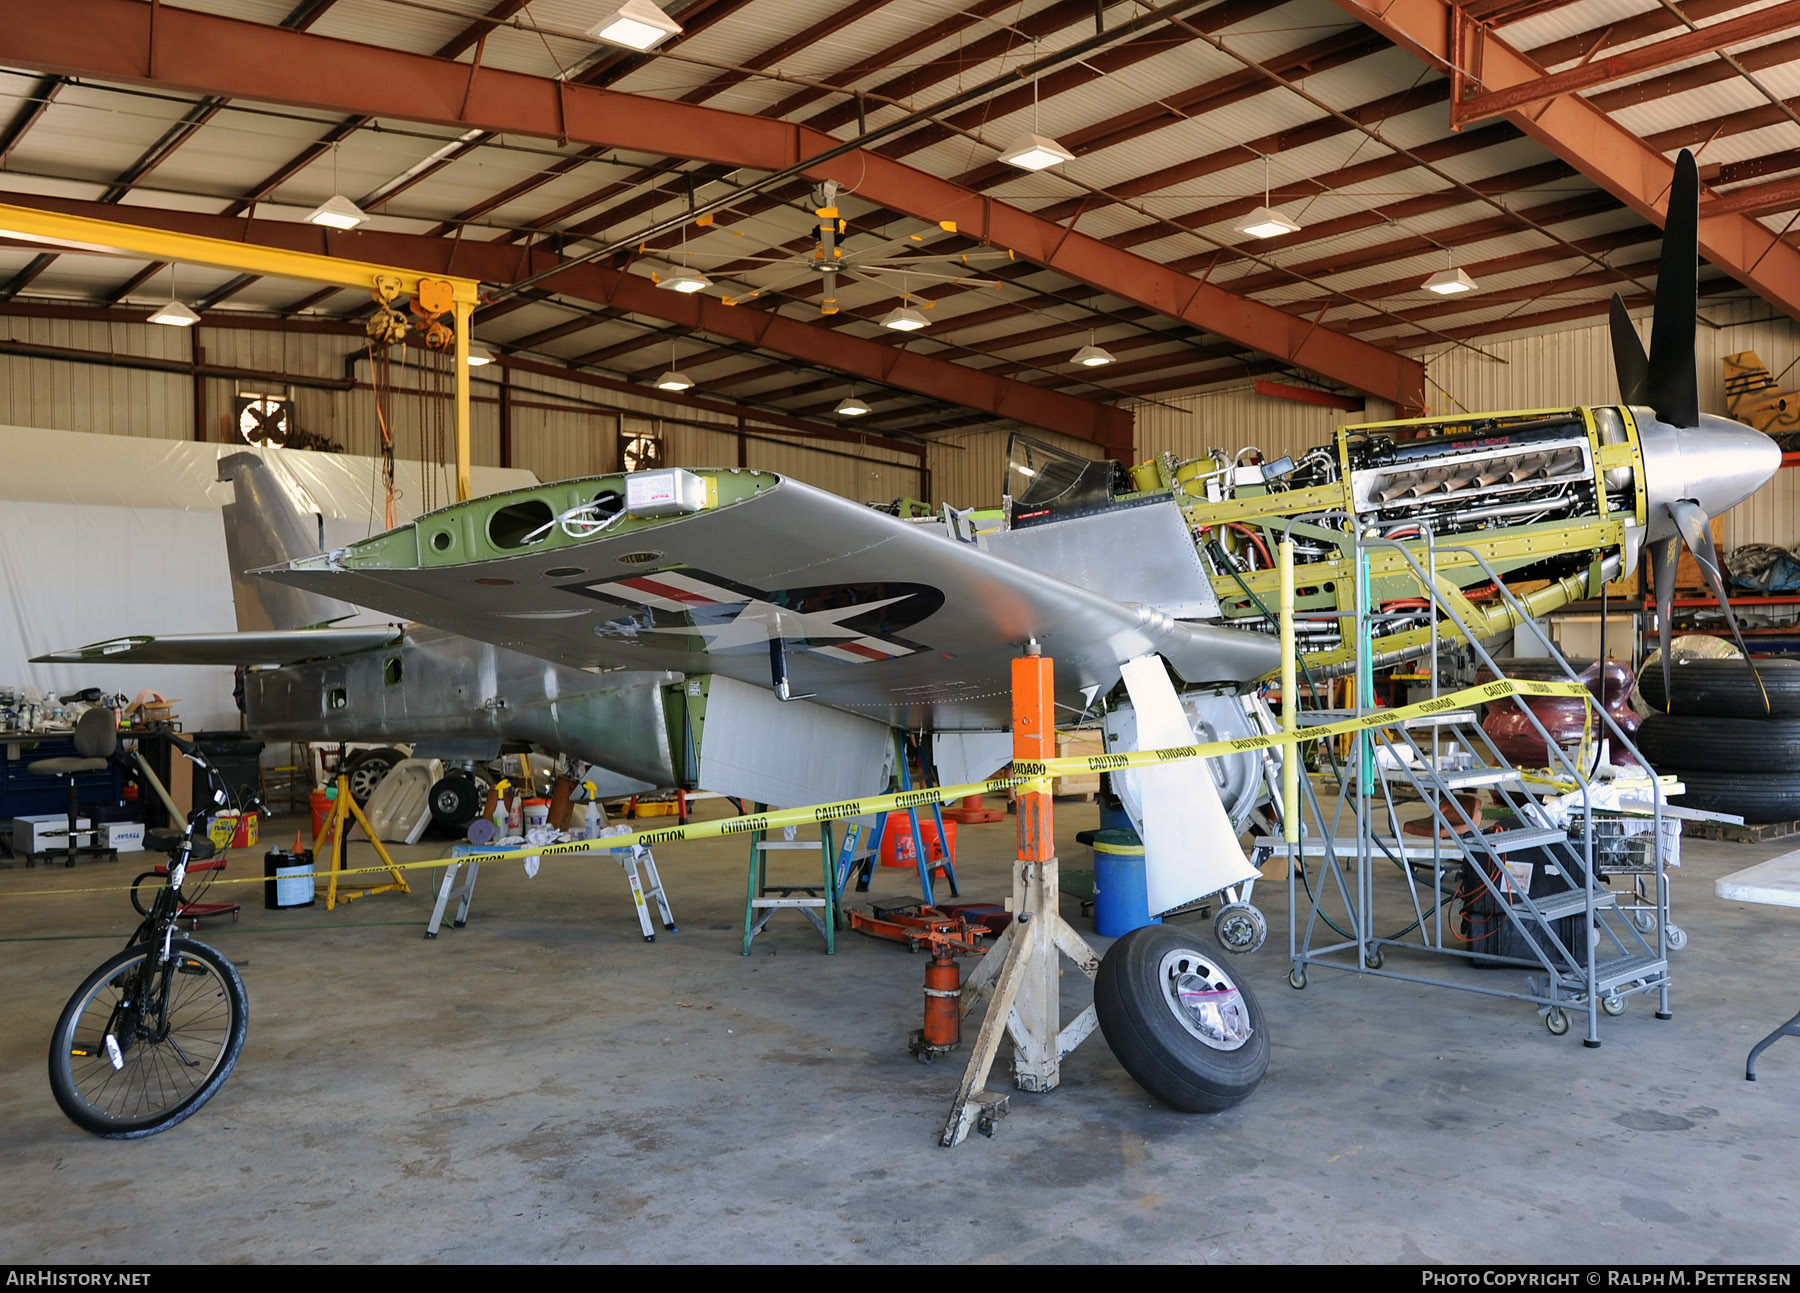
126,837
1077,746
46,832
230,830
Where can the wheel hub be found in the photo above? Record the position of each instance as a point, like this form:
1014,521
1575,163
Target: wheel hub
1204,1000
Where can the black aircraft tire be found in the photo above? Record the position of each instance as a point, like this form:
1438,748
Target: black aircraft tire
454,802
1136,1007
1690,742
1725,688
1754,796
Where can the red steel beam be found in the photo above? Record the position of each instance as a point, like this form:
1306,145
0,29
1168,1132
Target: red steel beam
1779,195
1307,395
1707,40
632,294
1597,145
203,53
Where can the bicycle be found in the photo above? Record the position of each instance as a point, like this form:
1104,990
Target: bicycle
154,1031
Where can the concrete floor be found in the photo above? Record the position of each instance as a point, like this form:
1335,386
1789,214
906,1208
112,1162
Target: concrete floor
544,1086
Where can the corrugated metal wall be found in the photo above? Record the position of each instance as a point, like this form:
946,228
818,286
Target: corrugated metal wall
969,469
560,428
94,397
564,428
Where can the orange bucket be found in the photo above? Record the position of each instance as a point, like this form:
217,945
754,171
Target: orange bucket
320,802
898,850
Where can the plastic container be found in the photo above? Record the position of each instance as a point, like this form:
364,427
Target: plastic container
320,803
898,849
537,813
1121,890
287,879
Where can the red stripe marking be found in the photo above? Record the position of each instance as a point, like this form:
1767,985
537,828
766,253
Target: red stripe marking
644,584
856,648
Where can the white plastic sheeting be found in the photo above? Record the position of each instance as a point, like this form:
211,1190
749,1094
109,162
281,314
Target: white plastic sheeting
102,536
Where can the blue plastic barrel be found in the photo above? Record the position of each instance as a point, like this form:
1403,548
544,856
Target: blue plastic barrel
1121,892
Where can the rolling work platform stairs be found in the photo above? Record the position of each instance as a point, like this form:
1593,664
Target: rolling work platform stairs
1498,886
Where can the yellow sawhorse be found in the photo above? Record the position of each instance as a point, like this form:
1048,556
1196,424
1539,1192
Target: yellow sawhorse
343,810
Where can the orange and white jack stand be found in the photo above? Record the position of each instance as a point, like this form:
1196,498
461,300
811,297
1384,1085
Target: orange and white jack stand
343,809
1019,974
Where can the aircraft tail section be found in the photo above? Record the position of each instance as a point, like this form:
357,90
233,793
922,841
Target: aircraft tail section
265,525
1755,399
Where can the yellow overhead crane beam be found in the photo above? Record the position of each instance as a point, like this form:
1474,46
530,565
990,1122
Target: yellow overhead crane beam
80,233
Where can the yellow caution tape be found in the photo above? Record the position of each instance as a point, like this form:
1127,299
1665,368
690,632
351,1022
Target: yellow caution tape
1030,776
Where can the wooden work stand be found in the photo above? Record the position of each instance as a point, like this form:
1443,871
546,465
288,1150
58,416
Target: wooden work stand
1019,975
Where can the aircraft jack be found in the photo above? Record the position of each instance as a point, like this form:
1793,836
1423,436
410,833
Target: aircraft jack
337,825
1019,975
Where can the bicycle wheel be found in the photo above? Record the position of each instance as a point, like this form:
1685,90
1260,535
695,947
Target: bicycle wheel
140,1046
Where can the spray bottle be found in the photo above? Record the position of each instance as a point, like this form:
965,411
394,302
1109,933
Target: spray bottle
595,820
500,825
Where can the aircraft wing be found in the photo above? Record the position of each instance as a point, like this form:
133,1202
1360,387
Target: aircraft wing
871,614
276,647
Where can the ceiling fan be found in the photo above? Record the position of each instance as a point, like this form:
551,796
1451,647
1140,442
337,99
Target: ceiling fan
831,263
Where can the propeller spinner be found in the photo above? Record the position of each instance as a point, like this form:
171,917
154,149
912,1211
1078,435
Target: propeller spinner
1696,465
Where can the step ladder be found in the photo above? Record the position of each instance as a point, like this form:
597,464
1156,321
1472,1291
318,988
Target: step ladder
816,899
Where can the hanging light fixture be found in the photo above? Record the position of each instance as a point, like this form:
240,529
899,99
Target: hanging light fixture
1032,151
336,211
1450,280
685,282
1266,221
479,355
674,379
175,314
636,24
1090,355
851,406
903,318
172,311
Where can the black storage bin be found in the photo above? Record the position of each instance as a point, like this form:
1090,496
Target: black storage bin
1496,939
236,758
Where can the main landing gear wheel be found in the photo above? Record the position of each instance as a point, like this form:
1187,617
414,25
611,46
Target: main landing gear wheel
454,801
1179,1023
1240,928
366,769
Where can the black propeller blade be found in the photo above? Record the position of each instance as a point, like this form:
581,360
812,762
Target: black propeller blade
1629,362
1664,555
1696,532
1673,388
